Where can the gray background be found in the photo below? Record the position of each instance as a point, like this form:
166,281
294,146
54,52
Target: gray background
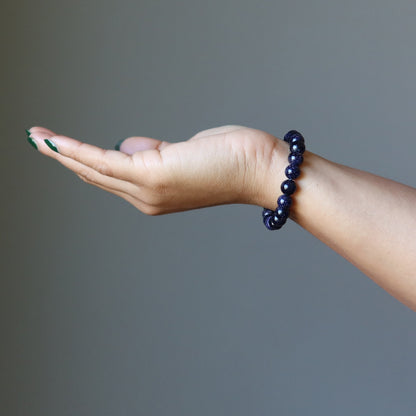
106,311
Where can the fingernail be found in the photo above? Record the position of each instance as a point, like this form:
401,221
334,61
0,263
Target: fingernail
30,140
51,145
117,146
27,132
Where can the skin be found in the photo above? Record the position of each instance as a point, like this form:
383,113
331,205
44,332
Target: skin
369,220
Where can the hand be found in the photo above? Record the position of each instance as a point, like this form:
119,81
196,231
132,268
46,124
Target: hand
224,165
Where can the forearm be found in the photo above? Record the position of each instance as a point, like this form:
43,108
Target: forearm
369,220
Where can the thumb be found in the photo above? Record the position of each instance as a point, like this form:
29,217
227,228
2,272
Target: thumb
137,144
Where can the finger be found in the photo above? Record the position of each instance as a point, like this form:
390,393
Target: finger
123,189
133,200
40,130
85,172
106,162
95,178
125,195
137,144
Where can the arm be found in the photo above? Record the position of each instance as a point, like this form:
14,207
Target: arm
369,220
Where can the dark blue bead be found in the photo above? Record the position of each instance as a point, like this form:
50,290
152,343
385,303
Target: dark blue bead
297,139
267,212
271,224
266,221
284,201
295,159
297,147
292,171
290,134
288,187
282,212
279,221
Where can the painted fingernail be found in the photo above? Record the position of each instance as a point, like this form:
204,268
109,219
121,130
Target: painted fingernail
117,146
30,140
51,145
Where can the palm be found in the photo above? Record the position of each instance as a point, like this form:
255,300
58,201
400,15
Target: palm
216,166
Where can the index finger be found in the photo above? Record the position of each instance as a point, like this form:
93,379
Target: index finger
110,163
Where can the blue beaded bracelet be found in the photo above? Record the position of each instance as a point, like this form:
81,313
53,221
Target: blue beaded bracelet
274,220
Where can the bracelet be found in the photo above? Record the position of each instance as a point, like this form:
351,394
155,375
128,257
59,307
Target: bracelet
274,220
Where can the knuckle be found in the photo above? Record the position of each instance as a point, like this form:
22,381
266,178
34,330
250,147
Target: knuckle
103,168
87,176
84,179
99,165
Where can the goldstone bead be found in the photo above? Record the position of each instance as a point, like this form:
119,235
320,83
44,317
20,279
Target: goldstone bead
270,224
279,221
290,134
288,187
267,212
297,139
282,212
284,201
297,147
295,159
292,171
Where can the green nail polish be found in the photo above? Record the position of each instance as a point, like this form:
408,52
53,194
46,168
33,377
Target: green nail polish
117,146
51,145
32,142
27,132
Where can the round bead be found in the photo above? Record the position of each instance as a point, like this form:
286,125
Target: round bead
290,134
288,187
284,201
266,221
279,220
297,139
295,159
267,212
292,171
271,224
297,147
282,212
